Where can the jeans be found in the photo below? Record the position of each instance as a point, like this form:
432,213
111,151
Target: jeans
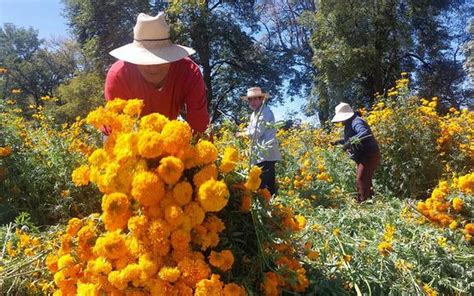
268,176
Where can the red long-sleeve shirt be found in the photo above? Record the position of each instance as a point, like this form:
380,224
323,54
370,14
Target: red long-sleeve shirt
183,90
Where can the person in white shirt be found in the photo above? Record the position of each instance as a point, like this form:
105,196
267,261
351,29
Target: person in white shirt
264,150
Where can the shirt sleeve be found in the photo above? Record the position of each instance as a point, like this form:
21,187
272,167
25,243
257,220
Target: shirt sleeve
113,88
196,103
361,128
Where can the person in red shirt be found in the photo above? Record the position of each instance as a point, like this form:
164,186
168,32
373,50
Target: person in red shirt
160,73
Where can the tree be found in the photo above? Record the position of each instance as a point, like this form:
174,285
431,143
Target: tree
360,48
34,69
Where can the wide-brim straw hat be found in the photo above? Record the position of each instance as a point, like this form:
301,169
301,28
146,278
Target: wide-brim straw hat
254,92
151,43
343,112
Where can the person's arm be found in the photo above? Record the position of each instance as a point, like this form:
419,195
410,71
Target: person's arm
361,128
196,103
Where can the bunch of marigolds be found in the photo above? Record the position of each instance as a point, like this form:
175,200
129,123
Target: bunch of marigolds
158,229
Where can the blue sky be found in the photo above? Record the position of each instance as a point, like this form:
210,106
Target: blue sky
45,16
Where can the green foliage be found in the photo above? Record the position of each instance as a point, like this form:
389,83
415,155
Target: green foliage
78,97
37,174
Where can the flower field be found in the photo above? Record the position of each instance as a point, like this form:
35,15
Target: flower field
152,210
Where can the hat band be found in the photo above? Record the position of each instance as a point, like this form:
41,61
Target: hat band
152,43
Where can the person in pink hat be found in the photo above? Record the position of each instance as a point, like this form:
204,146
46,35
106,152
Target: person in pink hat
362,146
159,72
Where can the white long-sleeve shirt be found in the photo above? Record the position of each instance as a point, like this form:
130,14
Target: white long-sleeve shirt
263,136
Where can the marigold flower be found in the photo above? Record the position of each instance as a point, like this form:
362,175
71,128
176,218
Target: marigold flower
457,204
170,170
116,105
73,226
180,239
254,181
384,248
147,188
213,195
229,160
150,144
111,245
153,122
206,152
176,136
195,213
125,147
80,176
174,215
214,224
469,228
88,289
99,266
159,230
212,286
245,204
206,173
270,284
182,193
134,107
169,274
116,208
234,290
5,151
193,270
222,260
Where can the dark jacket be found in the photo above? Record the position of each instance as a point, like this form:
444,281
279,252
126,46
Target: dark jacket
356,128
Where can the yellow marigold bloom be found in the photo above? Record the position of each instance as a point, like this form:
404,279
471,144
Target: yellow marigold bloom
234,290
73,226
116,105
182,193
66,261
385,248
453,225
176,136
212,286
149,266
213,195
153,122
438,194
229,160
171,169
147,188
429,290
5,151
116,208
193,270
206,173
134,107
111,245
80,176
169,274
150,144
126,147
466,183
87,289
254,181
159,230
389,232
442,241
222,260
195,213
206,152
52,262
457,204
99,266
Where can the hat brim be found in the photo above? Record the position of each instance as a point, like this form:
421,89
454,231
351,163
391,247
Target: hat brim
343,116
151,56
246,98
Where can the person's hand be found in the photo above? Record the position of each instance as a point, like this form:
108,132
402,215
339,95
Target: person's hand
338,142
346,145
106,130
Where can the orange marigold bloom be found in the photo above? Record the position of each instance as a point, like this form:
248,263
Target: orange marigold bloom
270,284
73,226
150,144
206,152
469,228
222,260
5,151
176,136
147,188
182,193
193,270
111,245
234,290
80,176
171,169
195,213
180,239
214,224
159,230
245,204
212,286
213,195
174,215
206,173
